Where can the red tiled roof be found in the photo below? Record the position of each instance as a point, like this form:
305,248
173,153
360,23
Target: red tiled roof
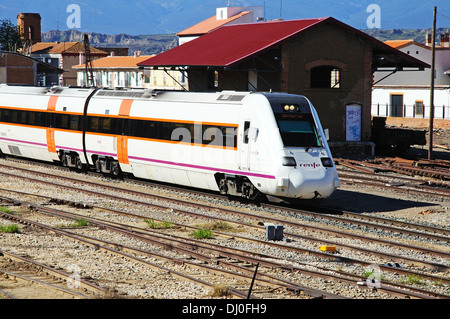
42,46
63,47
229,45
209,25
226,45
116,62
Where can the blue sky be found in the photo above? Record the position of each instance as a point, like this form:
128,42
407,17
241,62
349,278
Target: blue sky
136,17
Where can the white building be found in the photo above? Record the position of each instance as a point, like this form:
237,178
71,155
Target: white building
224,16
407,94
124,72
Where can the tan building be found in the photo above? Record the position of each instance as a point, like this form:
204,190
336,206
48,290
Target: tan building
124,72
64,55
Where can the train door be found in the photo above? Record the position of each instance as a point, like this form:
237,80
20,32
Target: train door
245,150
249,137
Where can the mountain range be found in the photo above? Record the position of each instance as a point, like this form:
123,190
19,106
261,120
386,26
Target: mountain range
157,43
137,17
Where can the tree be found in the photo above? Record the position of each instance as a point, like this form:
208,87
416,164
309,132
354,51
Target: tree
10,38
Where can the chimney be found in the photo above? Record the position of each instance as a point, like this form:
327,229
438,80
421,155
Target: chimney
428,40
444,40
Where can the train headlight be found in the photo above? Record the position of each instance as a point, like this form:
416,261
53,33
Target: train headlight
327,162
290,108
288,161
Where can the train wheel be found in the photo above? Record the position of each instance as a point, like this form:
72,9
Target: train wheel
98,166
78,163
115,169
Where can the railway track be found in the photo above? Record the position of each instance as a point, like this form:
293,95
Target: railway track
31,277
179,244
259,229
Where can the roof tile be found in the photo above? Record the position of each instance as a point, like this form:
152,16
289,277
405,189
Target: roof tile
111,62
210,24
63,47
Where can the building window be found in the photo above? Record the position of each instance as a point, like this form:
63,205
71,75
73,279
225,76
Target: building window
326,77
396,105
418,107
213,79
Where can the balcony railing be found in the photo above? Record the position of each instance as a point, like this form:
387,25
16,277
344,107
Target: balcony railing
410,111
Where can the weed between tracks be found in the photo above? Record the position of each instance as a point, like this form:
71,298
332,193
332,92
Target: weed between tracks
5,210
158,224
9,229
414,280
202,234
205,230
77,224
220,291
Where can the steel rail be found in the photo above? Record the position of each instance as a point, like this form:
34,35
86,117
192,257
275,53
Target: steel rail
51,271
296,224
120,248
115,188
389,288
46,284
190,203
151,204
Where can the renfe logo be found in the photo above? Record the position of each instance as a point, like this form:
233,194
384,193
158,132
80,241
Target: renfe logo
309,165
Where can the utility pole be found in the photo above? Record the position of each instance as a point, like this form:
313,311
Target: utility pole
433,47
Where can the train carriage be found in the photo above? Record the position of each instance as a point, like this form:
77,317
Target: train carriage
238,143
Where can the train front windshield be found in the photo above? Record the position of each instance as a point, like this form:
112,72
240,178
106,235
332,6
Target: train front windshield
298,130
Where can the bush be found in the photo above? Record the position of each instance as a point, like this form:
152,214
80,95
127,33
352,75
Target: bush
202,234
12,228
158,224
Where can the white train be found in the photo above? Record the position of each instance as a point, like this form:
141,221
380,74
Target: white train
238,143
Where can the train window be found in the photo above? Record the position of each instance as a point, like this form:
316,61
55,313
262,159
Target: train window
181,132
246,128
212,135
40,118
64,124
6,116
32,118
229,136
74,122
14,116
23,117
165,131
93,124
137,128
105,125
300,132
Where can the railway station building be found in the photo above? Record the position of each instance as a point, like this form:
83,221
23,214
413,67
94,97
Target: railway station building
329,62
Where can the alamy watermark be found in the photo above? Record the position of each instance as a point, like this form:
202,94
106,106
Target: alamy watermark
74,19
374,19
74,279
374,278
